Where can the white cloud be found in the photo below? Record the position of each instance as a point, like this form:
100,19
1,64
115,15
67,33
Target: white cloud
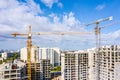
33,7
60,5
100,7
51,15
65,23
17,17
49,3
112,36
6,28
18,14
70,19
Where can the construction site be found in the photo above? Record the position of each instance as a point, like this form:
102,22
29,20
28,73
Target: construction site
72,63
40,69
59,40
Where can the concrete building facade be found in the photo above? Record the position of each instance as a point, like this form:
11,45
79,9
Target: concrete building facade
92,70
23,54
117,71
53,54
42,70
13,71
74,65
82,65
109,61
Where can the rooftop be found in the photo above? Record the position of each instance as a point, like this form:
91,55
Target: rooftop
8,66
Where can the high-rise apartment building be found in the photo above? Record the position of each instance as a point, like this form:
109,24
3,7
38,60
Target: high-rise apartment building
82,65
92,69
74,65
13,71
117,71
53,54
46,69
109,61
42,70
23,54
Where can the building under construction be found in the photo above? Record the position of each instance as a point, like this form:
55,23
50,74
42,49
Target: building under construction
109,62
74,65
42,71
82,65
13,71
18,70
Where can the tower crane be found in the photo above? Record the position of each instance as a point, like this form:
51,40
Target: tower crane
35,66
97,35
116,22
29,42
29,45
97,29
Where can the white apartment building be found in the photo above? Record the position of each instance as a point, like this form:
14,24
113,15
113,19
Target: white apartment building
23,54
92,69
53,54
74,65
6,55
117,71
109,64
109,61
13,71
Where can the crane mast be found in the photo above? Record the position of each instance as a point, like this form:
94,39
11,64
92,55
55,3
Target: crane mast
29,45
35,66
97,31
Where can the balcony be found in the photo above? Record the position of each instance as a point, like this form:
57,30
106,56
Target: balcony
6,76
13,76
6,72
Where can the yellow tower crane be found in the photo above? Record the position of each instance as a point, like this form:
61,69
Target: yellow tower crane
29,43
35,66
97,29
97,35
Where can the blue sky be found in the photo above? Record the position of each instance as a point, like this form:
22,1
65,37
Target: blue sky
58,15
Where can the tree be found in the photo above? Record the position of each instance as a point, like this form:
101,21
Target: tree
58,68
0,61
5,60
13,57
